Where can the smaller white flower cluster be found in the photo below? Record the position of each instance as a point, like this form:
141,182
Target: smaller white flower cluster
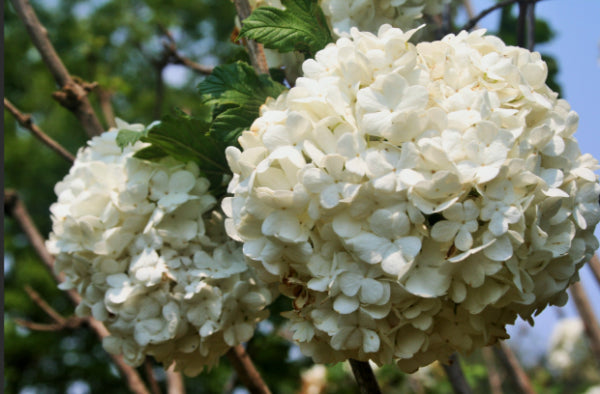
569,349
369,15
143,246
414,200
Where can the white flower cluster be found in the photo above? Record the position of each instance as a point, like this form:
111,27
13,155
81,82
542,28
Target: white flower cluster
569,350
413,200
143,246
368,15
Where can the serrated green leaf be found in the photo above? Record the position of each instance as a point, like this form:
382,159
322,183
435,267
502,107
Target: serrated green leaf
301,27
127,137
236,92
186,138
150,153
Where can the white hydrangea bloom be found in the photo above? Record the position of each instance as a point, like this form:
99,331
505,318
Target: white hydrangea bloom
414,200
143,246
569,350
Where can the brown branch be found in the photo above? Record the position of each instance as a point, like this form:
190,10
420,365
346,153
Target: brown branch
14,207
531,26
584,307
72,322
594,265
175,57
104,97
35,297
256,50
473,21
493,376
515,372
521,23
154,387
25,121
246,371
175,383
365,378
455,375
73,94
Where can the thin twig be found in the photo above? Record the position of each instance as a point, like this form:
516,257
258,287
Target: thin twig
515,372
73,94
473,21
531,26
175,382
177,58
256,50
151,377
241,362
584,307
365,378
104,97
594,265
26,122
456,376
60,322
14,207
493,376
35,297
70,323
521,22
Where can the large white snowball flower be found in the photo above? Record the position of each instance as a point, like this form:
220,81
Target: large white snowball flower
142,244
414,200
569,350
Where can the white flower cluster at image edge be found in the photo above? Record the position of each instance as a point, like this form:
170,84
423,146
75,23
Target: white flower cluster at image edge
368,15
414,200
142,244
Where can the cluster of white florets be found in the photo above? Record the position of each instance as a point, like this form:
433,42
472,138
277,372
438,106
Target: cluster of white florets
414,200
144,247
369,15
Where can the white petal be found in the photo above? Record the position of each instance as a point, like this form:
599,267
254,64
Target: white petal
345,305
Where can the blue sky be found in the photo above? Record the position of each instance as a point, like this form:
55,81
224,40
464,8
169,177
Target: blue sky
577,49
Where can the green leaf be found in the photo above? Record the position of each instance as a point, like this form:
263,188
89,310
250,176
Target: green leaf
187,138
236,92
126,137
300,27
151,152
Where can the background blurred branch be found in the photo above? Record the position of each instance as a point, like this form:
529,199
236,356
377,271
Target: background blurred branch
14,207
456,376
473,21
175,57
365,378
584,307
256,50
516,374
73,95
246,371
26,122
594,265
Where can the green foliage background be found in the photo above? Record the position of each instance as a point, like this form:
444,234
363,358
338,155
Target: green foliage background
118,44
